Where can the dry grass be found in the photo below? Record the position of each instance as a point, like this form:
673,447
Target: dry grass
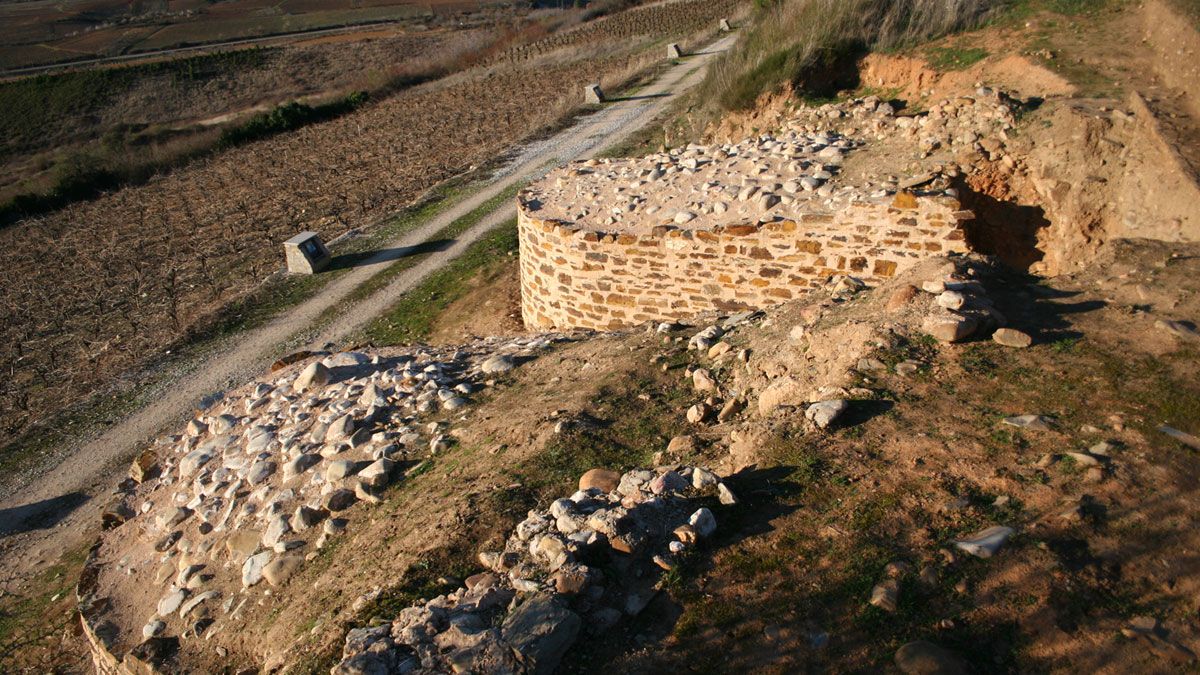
803,42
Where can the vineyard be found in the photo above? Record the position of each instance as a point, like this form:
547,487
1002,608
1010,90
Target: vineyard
98,288
660,20
119,118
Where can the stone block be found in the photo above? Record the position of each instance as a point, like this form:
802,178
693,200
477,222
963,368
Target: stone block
306,253
593,94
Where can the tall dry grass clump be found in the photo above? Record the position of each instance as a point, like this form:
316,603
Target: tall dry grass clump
804,42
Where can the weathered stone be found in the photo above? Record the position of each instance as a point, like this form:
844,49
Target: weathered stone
703,522
682,445
306,517
242,544
173,517
340,468
299,464
498,365
278,571
340,500
1010,337
541,630
144,467
702,478
260,472
314,375
725,495
782,391
377,473
196,602
171,601
951,328
601,479
885,595
703,381
191,462
252,569
824,413
1035,422
277,528
731,408
951,300
340,429
153,628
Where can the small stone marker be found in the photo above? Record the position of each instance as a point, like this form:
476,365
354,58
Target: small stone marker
593,94
725,25
673,51
306,253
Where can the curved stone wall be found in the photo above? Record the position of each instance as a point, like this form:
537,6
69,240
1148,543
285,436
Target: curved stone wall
575,277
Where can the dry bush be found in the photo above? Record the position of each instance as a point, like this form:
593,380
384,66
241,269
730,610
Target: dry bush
796,39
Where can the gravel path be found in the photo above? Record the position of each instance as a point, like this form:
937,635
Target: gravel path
71,493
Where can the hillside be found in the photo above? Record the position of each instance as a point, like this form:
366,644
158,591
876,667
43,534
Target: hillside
876,352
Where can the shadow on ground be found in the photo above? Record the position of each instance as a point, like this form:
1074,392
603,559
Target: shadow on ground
39,515
351,260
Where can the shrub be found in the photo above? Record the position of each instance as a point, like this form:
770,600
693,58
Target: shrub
287,117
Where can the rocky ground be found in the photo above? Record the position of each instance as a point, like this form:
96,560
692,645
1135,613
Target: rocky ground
969,468
786,174
885,490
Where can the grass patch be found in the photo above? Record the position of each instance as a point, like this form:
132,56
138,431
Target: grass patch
31,621
954,58
454,229
812,44
412,318
979,359
627,433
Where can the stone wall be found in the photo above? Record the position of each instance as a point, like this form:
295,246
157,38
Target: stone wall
573,277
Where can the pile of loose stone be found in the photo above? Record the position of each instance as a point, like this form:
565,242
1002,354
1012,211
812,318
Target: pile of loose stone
257,484
978,123
782,175
547,584
698,186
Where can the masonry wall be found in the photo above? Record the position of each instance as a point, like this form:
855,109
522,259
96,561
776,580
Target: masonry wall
572,277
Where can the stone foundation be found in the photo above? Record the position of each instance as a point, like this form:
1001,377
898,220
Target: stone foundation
577,277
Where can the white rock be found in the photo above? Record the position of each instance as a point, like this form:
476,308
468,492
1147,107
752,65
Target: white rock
823,413
951,300
252,569
703,522
985,543
154,628
314,375
171,601
498,364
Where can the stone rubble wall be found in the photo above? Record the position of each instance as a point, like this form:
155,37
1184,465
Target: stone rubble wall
572,277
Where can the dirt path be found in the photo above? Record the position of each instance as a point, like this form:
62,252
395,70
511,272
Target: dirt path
53,512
